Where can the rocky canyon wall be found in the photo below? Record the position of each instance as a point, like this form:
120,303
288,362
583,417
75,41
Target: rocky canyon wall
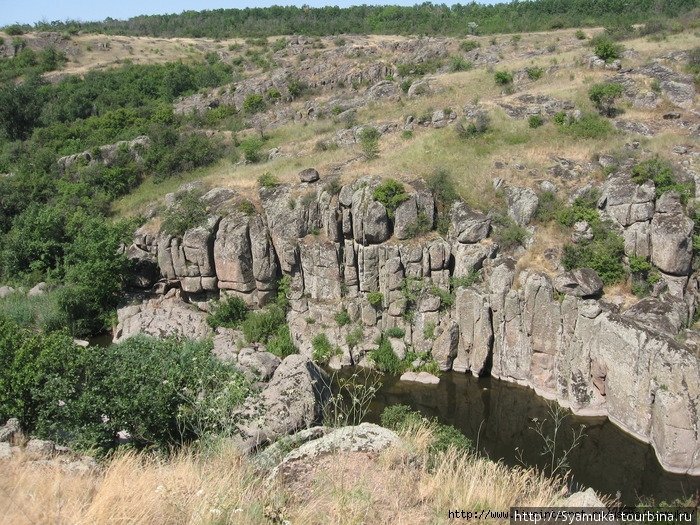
559,334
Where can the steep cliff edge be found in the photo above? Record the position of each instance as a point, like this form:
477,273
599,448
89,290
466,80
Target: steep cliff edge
343,250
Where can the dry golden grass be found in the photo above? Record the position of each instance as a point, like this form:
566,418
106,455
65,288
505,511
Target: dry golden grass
221,487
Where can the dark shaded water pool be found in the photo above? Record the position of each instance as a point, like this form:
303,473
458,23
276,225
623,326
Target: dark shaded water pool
499,418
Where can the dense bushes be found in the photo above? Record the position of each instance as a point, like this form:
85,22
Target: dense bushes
54,223
660,172
385,359
588,126
323,350
402,418
391,194
604,252
228,313
425,18
260,326
162,392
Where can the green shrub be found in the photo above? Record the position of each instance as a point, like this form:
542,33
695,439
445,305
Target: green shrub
503,78
375,298
468,45
268,180
254,103
296,87
395,332
447,300
589,126
369,142
14,30
580,35
323,350
354,336
429,330
446,437
535,121
465,281
400,417
606,49
418,68
603,254
548,207
475,126
406,85
342,317
273,94
252,149
407,134
694,61
604,96
534,73
660,172
281,344
584,208
391,194
458,63
385,359
228,313
188,211
259,326
444,192
41,311
508,234
246,207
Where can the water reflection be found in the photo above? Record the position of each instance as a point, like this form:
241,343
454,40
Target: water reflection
500,417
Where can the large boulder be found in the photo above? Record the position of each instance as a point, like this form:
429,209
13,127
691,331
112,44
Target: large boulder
671,243
581,282
467,225
162,317
406,219
626,201
522,204
309,175
233,256
293,400
370,221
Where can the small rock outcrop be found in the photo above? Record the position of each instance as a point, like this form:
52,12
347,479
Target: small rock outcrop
366,437
582,282
292,400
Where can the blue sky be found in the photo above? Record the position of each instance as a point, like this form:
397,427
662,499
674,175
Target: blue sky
30,11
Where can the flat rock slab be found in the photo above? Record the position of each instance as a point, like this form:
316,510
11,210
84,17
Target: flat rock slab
420,377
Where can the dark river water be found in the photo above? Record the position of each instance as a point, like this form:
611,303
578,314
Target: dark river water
499,418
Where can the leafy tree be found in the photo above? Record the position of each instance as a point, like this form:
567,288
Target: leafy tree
604,97
606,49
20,108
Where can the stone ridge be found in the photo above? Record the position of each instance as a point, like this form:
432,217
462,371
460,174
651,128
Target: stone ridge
554,335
